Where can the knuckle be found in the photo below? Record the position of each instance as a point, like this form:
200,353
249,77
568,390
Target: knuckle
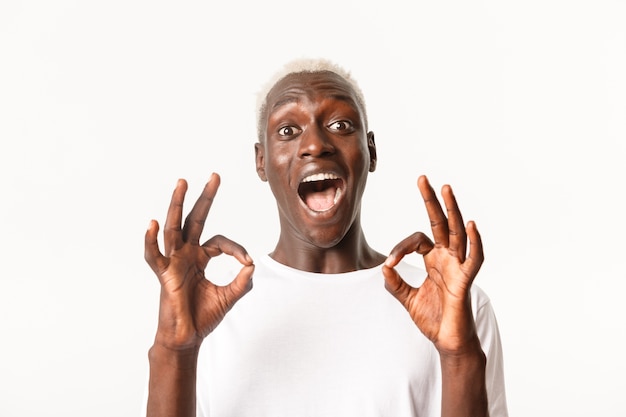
437,223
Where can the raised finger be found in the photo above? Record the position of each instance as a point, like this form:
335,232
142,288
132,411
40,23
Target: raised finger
417,242
172,231
457,241
476,255
152,254
194,223
438,220
219,244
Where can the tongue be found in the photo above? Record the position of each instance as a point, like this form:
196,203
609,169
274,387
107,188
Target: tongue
321,200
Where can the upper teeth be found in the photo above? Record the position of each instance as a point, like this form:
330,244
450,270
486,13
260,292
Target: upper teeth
320,177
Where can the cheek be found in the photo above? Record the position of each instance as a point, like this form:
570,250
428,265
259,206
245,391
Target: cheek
278,159
282,160
277,169
360,158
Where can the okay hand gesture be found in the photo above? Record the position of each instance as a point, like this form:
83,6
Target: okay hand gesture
191,306
441,306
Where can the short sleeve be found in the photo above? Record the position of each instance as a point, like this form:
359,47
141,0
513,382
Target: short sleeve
489,335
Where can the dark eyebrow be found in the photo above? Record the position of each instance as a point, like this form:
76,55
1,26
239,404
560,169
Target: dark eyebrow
292,99
284,101
347,98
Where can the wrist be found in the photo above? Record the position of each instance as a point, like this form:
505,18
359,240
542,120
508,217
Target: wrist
180,338
464,391
182,359
465,354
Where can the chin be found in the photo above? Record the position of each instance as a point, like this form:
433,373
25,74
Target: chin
325,239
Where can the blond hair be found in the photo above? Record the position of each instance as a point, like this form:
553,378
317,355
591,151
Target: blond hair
304,65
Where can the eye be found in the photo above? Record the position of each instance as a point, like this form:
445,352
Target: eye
341,126
289,131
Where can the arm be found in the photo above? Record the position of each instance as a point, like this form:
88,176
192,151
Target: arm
441,306
190,306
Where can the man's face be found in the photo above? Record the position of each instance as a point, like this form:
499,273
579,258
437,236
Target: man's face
316,156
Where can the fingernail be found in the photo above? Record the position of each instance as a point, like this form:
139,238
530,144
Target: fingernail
389,261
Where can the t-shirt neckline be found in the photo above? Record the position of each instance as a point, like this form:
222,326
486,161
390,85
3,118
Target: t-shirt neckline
275,265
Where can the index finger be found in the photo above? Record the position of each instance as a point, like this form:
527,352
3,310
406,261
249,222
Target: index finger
418,242
219,244
438,220
194,223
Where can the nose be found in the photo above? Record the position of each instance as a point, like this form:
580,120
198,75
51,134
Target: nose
315,142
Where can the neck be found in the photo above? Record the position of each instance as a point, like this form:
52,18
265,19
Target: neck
352,253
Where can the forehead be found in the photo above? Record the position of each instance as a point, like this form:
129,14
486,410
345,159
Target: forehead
310,85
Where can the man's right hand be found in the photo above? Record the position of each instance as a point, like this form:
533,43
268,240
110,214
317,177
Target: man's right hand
191,306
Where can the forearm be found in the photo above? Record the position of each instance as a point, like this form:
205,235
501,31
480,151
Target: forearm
464,392
172,385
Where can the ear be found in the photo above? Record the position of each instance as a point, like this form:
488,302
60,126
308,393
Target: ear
259,155
371,145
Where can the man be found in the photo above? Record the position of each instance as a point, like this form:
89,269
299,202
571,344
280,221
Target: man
319,335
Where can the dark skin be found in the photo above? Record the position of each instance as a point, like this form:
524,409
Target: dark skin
314,126
315,133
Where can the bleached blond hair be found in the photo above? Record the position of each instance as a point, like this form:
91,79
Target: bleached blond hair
298,66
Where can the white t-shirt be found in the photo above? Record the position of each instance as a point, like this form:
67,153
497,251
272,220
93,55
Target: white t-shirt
308,344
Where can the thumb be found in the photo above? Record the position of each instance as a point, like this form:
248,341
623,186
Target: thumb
241,285
395,284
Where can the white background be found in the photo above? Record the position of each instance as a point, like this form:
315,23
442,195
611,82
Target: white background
521,106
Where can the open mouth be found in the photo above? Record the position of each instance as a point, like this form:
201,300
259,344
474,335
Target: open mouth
320,192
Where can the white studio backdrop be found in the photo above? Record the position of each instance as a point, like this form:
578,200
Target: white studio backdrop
521,106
